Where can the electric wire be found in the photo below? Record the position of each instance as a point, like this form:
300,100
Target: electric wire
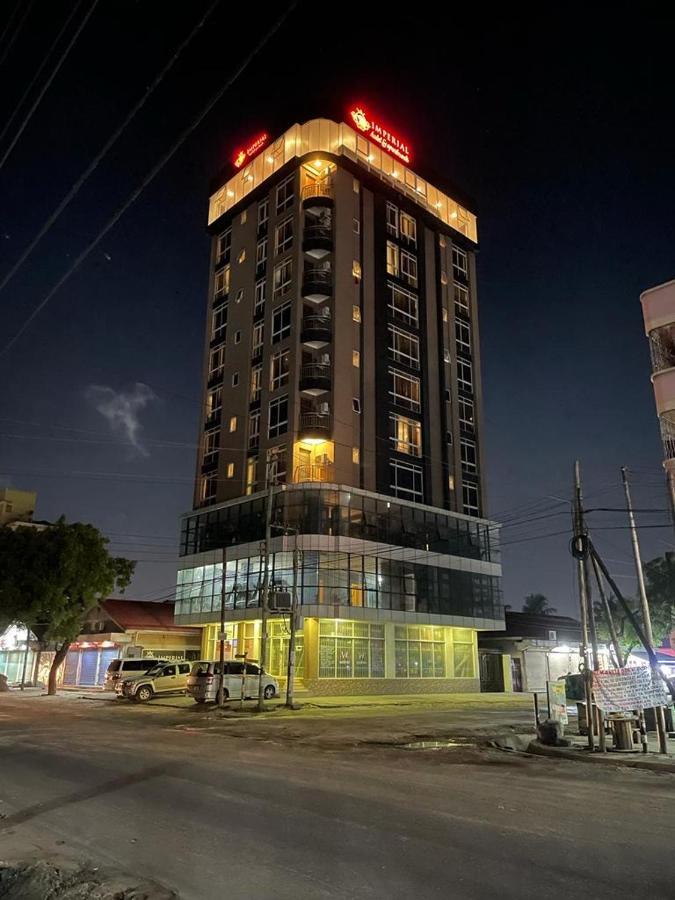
12,38
149,177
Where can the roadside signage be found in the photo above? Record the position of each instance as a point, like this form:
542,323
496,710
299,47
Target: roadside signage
634,687
557,701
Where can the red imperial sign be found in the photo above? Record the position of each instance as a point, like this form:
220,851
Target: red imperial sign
380,135
243,155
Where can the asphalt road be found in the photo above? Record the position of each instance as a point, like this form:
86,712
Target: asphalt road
210,815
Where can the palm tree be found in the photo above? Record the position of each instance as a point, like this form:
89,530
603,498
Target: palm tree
537,605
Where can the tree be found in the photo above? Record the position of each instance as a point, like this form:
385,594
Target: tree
537,605
50,580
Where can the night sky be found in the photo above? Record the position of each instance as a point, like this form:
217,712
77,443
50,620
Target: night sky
560,128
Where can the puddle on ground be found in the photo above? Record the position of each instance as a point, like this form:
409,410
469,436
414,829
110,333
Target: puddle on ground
435,745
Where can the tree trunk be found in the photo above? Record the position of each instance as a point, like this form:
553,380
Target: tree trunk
59,657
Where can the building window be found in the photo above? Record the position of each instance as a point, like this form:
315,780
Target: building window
221,282
463,654
356,359
216,361
251,474
464,375
403,305
466,413
408,227
409,268
356,404
235,379
283,275
463,335
350,649
279,373
356,226
461,299
260,294
233,424
285,194
263,213
237,337
256,383
406,480
244,213
355,186
419,651
392,259
276,464
356,270
283,235
445,315
278,642
392,219
254,429
242,256
446,355
460,264
258,337
404,390
211,444
214,401
281,322
207,491
278,417
356,313
444,278
356,455
405,435
468,456
230,470
223,246
404,347
470,506
261,253
219,323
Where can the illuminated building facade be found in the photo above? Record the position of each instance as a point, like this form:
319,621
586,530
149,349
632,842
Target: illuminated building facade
342,357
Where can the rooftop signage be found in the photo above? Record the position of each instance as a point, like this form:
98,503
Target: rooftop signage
247,153
376,132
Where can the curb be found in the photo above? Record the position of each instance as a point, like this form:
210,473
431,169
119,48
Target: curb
606,759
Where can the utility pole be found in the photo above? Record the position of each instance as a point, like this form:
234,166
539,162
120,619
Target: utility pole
25,658
221,684
580,541
290,680
269,479
608,615
644,603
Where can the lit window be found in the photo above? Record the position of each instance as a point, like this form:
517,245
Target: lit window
445,315
211,444
216,361
355,186
233,424
278,417
243,217
258,336
221,282
208,488
280,365
409,268
464,375
461,299
219,323
263,212
214,401
468,456
463,335
242,256
419,651
460,265
260,294
356,358
261,253
446,355
283,274
408,228
230,470
404,390
406,480
251,474
276,464
356,455
392,219
444,278
466,413
451,482
356,404
392,259
356,270
254,429
441,240
281,322
283,235
404,347
285,194
223,245
356,313
470,502
256,383
403,304
405,435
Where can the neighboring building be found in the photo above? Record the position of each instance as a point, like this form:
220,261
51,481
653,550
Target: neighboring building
16,506
658,311
342,356
536,649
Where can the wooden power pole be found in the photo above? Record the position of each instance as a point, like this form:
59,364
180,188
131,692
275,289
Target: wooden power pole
580,540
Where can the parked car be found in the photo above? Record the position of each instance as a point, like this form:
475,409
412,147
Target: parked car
164,678
204,681
119,669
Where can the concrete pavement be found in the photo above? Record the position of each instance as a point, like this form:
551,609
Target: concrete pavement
209,812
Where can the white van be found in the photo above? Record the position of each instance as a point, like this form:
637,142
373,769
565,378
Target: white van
204,680
127,668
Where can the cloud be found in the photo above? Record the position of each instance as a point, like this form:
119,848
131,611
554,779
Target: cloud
122,410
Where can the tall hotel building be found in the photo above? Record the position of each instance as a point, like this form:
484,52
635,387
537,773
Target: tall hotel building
342,356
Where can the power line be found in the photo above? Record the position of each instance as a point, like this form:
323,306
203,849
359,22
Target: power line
69,46
17,30
154,171
75,189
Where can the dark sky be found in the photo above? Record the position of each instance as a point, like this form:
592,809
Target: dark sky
560,127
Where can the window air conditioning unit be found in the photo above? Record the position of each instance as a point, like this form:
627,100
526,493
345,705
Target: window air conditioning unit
280,601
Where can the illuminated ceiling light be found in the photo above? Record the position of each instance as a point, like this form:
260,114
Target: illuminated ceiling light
317,163
270,159
230,193
312,441
453,215
394,174
438,204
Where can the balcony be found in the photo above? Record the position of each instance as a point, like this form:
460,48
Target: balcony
315,379
210,463
212,420
318,196
314,425
215,378
316,331
317,241
317,285
314,473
